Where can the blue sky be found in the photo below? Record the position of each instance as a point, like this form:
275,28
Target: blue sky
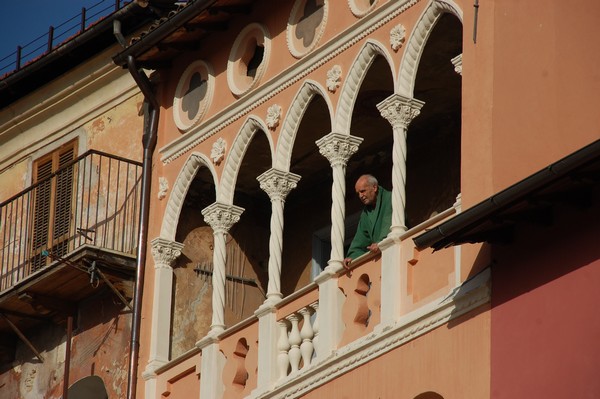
23,21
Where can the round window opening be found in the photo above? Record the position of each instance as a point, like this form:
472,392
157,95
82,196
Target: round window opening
192,95
306,25
361,7
248,59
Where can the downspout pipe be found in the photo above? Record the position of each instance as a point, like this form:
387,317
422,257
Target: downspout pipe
149,139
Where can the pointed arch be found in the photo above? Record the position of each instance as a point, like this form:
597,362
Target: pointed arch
417,40
179,192
351,86
236,155
293,119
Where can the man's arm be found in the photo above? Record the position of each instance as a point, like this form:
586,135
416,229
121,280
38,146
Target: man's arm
361,240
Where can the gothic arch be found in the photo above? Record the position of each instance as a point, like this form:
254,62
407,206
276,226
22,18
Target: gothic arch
417,40
179,191
293,119
356,74
236,155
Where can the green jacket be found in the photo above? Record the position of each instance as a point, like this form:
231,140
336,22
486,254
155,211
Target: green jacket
373,225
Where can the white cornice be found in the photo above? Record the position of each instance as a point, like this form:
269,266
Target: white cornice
285,79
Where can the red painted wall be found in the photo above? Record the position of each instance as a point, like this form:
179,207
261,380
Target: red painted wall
545,310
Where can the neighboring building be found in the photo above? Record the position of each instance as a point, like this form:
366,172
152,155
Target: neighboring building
70,170
264,113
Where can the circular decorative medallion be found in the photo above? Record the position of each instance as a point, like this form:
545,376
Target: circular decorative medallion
306,25
193,95
361,7
248,58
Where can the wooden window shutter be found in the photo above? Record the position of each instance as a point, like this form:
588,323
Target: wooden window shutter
53,202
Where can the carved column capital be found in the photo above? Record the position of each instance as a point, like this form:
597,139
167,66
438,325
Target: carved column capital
338,148
400,110
457,62
221,216
277,183
165,252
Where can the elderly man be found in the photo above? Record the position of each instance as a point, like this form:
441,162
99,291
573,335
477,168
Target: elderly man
375,219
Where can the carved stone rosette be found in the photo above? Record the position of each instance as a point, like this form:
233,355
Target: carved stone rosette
273,116
165,252
397,37
217,152
163,187
334,78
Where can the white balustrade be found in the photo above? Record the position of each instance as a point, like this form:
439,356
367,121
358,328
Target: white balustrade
296,345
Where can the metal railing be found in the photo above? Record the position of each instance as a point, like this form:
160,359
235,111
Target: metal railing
92,200
56,35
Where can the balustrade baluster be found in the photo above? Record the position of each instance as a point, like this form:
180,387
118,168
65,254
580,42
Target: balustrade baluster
294,340
315,327
307,334
283,346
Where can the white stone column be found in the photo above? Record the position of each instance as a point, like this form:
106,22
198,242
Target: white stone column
399,111
268,334
220,217
165,253
338,148
390,284
329,325
211,369
277,184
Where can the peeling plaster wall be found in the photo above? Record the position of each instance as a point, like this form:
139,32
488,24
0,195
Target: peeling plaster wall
119,130
99,347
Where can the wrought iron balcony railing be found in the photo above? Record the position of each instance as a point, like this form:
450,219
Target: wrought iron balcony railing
92,200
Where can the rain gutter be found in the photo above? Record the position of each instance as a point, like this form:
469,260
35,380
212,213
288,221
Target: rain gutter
149,138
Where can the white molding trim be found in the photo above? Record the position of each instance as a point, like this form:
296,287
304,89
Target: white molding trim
356,74
234,158
285,79
180,188
471,295
292,120
261,35
417,41
296,53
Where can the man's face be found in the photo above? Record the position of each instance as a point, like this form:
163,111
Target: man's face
367,193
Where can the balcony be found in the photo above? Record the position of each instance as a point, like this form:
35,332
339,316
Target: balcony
339,322
66,237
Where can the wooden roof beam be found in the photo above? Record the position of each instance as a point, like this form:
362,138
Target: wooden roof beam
22,337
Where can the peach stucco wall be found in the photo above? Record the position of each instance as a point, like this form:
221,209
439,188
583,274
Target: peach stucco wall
451,361
530,90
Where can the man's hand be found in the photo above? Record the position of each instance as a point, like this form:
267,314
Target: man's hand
346,263
374,248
